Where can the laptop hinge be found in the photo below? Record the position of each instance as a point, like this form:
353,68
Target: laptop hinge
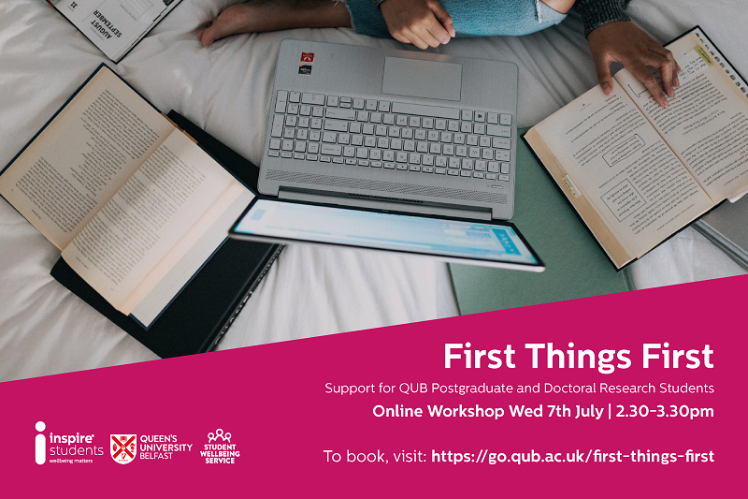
385,205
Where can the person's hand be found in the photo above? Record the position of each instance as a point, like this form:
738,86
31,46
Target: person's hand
622,41
424,23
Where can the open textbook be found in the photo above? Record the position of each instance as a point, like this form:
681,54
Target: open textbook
636,172
134,204
114,26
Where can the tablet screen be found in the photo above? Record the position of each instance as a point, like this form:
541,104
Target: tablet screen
483,241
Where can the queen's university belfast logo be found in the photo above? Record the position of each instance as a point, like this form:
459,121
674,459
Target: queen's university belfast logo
123,448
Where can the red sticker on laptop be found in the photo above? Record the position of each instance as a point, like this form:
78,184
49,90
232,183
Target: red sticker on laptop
307,57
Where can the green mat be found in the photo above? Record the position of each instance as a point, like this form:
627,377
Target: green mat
576,266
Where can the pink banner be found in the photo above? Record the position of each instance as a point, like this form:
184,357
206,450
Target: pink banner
637,394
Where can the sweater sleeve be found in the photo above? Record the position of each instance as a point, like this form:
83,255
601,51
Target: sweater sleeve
595,13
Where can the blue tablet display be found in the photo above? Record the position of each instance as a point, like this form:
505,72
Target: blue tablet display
368,229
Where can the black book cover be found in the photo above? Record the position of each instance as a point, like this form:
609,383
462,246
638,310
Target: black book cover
199,316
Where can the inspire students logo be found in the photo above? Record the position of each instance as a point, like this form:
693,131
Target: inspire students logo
64,449
123,448
40,444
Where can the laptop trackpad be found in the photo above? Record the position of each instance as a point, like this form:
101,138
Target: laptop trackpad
416,78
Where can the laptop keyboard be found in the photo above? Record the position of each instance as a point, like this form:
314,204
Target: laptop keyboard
396,136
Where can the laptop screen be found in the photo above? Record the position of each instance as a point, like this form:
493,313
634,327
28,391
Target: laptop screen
481,242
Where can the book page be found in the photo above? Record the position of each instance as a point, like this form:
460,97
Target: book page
85,155
171,276
147,217
185,244
113,25
616,160
706,123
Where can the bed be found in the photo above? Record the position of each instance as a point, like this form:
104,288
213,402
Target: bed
310,291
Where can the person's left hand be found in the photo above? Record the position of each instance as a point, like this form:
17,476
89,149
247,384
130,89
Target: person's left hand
624,42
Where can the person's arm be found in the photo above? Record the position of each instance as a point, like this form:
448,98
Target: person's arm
614,38
424,23
595,13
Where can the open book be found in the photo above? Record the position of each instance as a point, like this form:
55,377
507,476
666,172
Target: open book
134,204
114,26
637,173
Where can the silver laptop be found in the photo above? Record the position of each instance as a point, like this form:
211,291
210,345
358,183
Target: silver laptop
392,130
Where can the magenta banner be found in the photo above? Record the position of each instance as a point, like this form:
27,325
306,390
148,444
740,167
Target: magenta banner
637,394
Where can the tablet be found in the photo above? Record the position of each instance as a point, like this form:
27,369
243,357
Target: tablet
486,243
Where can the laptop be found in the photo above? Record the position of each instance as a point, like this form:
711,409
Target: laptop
391,150
392,130
491,243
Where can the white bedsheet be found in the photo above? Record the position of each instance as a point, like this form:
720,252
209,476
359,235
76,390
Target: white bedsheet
44,329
